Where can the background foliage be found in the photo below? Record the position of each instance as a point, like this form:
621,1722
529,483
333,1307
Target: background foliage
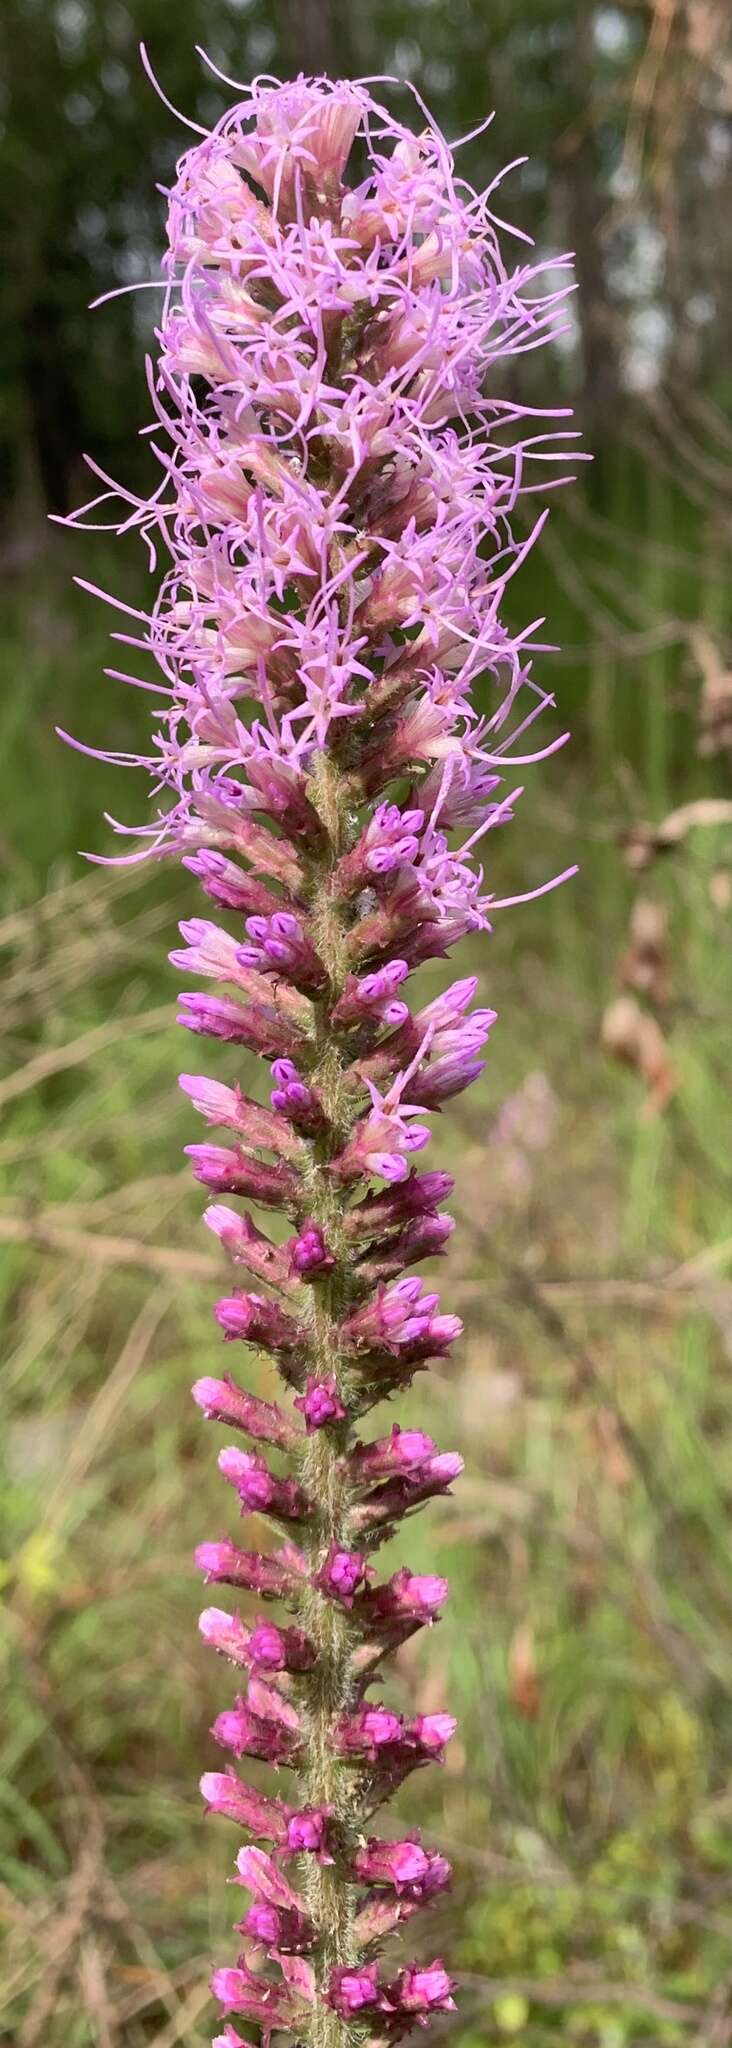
588,1641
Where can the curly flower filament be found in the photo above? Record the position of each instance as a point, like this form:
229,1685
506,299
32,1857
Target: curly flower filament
339,474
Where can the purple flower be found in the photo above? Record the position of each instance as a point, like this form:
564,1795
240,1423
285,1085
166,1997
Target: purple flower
276,1920
274,1576
261,1724
405,1865
373,999
248,1246
227,1170
414,1596
403,1319
342,455
222,1401
381,1142
373,1729
279,945
427,1989
224,1793
263,1648
256,1025
261,1491
255,1319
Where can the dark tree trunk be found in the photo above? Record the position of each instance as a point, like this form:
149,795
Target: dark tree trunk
587,214
314,36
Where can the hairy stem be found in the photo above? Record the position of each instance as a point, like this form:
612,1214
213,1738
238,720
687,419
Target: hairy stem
329,1689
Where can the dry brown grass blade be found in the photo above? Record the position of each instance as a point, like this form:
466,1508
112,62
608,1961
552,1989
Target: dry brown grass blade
57,1059
585,1291
94,1990
179,2028
60,902
63,1932
641,842
558,1991
100,1415
47,1235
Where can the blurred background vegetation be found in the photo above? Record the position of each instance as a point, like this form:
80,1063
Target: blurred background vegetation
588,1645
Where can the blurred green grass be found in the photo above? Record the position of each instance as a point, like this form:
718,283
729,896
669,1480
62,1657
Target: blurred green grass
587,1646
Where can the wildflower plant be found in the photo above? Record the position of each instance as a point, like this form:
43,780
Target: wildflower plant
340,474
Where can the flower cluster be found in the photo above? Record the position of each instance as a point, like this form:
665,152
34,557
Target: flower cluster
339,477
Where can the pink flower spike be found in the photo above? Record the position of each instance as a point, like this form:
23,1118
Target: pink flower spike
346,695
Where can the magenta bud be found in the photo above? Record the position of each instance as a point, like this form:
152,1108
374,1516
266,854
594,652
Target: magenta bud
225,1633
258,1870
353,1991
405,1490
320,1404
341,1575
275,1927
241,1990
249,1120
248,1246
307,1831
293,1098
423,1237
309,1254
407,1594
229,885
280,944
280,1649
264,1647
